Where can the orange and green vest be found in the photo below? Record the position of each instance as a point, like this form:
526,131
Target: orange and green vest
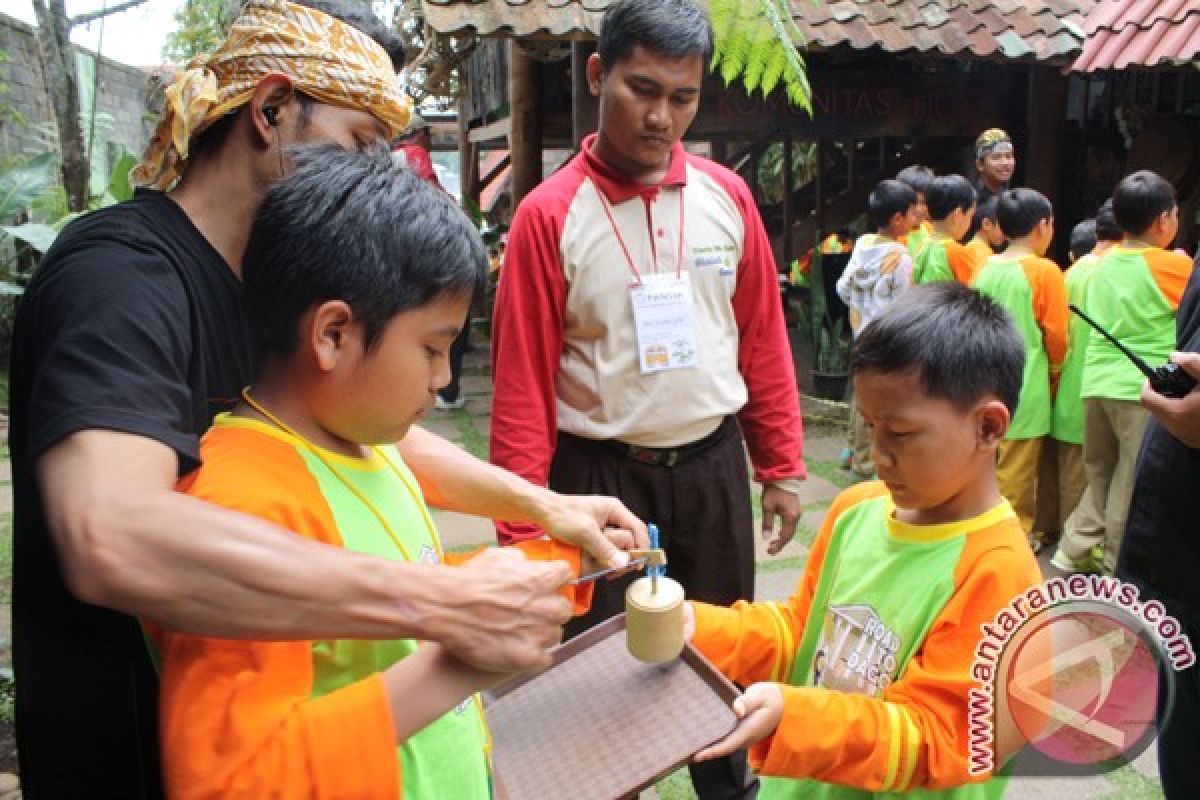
1004,280
1124,298
1068,403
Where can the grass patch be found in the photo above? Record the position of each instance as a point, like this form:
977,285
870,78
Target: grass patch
6,556
471,439
832,472
676,786
1133,785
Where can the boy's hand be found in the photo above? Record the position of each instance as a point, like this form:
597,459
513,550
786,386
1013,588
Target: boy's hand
760,710
1179,415
784,504
600,526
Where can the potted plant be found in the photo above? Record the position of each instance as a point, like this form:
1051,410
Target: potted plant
831,370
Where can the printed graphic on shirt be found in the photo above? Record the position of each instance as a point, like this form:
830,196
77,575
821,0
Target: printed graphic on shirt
427,555
856,652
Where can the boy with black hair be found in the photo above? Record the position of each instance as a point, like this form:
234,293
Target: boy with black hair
358,277
951,200
878,270
1066,429
1083,240
1133,293
859,682
984,238
1030,287
917,177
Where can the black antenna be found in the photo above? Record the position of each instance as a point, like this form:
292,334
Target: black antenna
1132,356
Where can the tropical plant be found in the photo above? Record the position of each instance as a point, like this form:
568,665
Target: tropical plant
201,27
833,348
759,42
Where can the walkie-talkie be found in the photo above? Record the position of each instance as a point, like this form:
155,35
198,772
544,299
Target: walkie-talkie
1169,380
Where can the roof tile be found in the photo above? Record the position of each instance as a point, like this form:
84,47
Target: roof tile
1049,30
1123,33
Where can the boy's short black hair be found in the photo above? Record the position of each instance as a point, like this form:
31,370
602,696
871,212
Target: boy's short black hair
917,177
888,199
1018,211
1083,238
948,193
353,14
1139,199
984,209
964,344
674,28
1107,229
353,226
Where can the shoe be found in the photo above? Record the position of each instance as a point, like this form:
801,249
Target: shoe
845,458
449,405
1061,561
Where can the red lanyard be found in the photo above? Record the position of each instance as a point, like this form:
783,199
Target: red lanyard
621,240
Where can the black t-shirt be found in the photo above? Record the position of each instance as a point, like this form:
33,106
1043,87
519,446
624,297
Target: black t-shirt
1161,548
133,323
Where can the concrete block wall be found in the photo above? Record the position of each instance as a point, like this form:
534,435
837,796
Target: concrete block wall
121,91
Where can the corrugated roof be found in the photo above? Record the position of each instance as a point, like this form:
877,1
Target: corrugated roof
1045,30
1147,33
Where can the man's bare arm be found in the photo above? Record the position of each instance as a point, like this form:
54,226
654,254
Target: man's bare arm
455,480
126,540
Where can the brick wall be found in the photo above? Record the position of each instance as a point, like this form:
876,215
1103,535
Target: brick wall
121,91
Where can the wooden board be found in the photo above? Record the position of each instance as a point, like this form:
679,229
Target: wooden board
600,724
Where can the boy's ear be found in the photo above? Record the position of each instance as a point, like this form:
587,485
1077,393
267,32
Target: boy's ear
329,333
991,423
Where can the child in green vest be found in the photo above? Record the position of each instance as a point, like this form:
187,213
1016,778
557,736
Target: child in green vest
917,177
951,200
1133,293
984,239
858,685
1030,287
358,276
1090,240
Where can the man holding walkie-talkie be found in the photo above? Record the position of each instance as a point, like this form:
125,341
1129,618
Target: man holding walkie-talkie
1162,551
1133,295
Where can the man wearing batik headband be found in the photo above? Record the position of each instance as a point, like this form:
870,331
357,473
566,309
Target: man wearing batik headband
995,160
129,339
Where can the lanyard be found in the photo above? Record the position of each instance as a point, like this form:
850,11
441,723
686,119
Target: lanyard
621,240
337,473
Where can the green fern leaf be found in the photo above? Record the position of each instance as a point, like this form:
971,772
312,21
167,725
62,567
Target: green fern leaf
774,71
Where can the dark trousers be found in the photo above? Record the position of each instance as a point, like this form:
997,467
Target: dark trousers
1177,742
458,347
702,509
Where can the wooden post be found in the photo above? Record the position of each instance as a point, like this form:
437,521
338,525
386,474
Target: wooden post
1043,161
468,153
584,107
788,182
525,138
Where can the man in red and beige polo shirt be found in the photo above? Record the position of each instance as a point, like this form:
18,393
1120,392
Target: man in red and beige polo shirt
638,332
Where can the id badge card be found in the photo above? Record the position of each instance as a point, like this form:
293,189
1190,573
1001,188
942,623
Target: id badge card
666,323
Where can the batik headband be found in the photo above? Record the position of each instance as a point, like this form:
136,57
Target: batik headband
991,141
326,59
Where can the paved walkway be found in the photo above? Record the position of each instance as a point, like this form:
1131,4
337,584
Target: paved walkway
776,576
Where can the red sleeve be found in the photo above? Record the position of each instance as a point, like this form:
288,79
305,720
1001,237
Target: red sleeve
770,419
527,341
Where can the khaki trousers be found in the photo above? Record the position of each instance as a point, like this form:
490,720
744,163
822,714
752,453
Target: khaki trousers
1112,434
1060,487
1017,473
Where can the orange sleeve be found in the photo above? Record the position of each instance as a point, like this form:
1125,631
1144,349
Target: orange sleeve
1050,309
916,734
751,642
1171,271
961,262
579,596
237,717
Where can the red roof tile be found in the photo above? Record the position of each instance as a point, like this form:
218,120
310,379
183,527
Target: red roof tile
1147,33
1046,30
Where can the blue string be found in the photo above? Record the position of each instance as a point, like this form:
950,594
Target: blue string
652,569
